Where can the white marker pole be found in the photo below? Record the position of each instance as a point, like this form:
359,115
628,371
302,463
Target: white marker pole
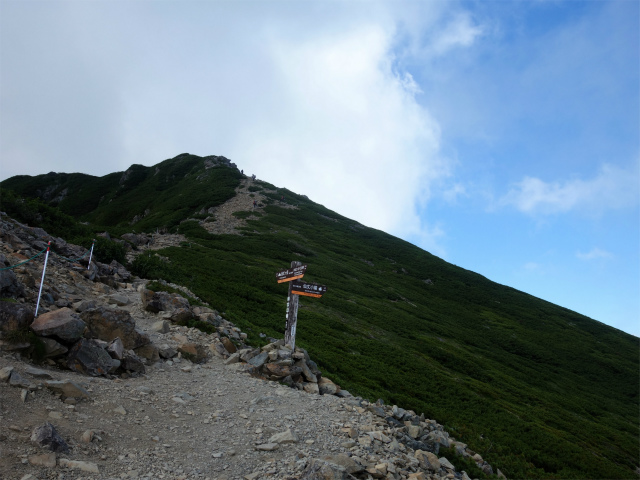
91,254
44,269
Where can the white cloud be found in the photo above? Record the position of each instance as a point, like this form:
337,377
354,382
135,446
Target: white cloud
612,188
593,254
307,97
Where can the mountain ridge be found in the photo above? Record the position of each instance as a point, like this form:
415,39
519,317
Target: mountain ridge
533,378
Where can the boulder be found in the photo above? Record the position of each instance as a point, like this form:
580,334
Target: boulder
15,316
165,351
116,349
259,360
161,326
277,370
47,436
5,374
162,301
444,463
306,371
228,345
327,387
132,363
311,388
17,380
107,324
63,324
195,352
150,352
9,284
181,315
428,460
88,358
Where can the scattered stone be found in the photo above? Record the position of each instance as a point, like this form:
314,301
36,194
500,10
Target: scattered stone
16,380
5,373
267,447
36,372
47,436
78,465
284,437
43,460
67,388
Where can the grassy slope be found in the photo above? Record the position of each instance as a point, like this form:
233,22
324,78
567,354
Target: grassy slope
538,390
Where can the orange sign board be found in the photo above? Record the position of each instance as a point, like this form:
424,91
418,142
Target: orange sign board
308,289
291,274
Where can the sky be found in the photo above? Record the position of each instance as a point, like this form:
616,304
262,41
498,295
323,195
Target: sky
503,137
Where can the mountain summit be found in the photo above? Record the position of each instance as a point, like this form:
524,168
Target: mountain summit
537,390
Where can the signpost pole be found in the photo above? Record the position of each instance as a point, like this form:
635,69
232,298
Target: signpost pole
292,314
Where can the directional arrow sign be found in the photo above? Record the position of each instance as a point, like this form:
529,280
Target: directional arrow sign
291,274
308,289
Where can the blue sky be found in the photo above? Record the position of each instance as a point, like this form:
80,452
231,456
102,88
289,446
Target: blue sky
501,136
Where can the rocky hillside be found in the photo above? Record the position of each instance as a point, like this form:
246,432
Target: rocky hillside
534,388
109,382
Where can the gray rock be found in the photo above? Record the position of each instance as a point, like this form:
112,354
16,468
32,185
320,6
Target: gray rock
116,349
327,387
194,351
16,380
161,326
88,358
167,352
36,372
79,465
259,360
47,436
132,363
267,447
162,301
234,358
322,470
150,352
5,374
350,465
63,324
306,371
53,348
85,305
15,316
107,324
446,463
9,284
120,300
487,469
284,437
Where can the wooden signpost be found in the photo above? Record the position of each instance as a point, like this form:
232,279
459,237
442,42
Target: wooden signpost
296,289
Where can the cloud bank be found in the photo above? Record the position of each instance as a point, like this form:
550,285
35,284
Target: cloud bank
612,188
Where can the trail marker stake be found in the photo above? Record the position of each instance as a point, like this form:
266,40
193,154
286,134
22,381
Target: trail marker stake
44,269
91,254
296,289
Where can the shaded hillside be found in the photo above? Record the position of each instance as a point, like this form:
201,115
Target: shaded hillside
538,390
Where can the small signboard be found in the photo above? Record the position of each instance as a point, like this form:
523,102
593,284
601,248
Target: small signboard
291,274
308,289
